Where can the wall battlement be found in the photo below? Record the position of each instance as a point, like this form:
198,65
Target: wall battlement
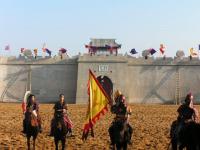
101,58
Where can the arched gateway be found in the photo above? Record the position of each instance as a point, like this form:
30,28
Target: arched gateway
106,84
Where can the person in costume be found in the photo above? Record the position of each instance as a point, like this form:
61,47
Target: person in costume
60,109
31,107
186,113
122,111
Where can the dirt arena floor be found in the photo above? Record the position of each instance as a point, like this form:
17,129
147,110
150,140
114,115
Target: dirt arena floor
151,125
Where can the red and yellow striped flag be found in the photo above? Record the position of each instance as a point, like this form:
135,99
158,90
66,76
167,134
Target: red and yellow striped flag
98,101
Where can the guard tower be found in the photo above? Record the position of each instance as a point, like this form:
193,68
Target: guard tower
103,47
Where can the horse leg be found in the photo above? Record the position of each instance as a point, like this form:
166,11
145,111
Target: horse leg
118,146
28,142
111,134
56,143
181,147
63,143
125,146
129,133
174,144
192,147
34,138
33,144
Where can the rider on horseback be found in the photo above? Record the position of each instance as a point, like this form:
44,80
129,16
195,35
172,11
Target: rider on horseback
185,110
186,113
61,112
32,108
122,112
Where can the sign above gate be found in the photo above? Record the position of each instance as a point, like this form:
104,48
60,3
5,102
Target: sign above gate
103,68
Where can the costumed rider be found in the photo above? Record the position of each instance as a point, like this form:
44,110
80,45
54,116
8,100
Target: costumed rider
123,112
186,113
61,109
30,107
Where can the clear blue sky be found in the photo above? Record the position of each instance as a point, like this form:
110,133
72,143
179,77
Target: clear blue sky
136,24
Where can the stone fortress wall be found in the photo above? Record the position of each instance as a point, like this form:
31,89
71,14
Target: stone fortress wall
151,80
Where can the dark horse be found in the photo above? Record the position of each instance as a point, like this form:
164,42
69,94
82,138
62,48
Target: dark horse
32,129
120,135
60,131
188,137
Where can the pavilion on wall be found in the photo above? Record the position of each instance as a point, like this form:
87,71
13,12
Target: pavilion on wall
103,46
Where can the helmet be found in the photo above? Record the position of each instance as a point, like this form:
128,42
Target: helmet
117,94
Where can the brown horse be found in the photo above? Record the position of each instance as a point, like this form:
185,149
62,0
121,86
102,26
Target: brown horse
120,135
188,137
60,131
32,129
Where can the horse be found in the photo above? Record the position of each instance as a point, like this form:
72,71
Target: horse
173,135
120,134
32,129
60,131
188,137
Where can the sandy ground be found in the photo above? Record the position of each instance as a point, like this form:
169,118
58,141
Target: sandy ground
151,125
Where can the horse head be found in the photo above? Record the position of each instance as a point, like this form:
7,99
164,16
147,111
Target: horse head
121,131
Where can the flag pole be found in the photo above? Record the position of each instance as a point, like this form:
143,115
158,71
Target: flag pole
94,112
30,79
90,118
198,51
85,133
43,50
9,51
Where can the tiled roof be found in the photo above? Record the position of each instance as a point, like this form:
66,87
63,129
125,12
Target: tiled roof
103,42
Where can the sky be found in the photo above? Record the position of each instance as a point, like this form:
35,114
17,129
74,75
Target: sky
138,24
